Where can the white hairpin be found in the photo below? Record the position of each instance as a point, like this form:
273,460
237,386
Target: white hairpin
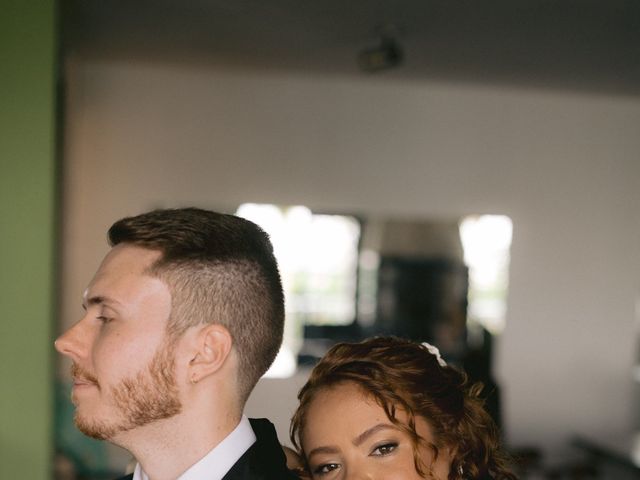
434,351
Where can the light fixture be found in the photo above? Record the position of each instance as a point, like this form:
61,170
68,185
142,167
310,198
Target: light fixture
387,54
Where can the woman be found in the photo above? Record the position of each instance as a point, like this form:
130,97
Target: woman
388,408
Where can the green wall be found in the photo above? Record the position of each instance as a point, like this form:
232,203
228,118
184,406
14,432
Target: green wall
27,229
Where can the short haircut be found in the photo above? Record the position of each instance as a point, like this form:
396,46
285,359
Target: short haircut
220,269
404,375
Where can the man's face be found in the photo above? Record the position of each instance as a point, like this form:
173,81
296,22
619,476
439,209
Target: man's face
123,365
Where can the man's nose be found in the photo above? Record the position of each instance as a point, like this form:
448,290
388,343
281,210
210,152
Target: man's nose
72,343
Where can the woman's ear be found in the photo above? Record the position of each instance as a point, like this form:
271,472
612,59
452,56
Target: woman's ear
213,345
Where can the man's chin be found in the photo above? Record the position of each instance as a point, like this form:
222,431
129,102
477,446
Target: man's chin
100,430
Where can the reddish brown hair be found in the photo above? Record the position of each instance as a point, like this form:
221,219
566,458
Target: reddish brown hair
403,375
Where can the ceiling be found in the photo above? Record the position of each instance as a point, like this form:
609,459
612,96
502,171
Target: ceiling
579,45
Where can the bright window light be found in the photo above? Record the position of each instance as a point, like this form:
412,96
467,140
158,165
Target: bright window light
486,240
317,257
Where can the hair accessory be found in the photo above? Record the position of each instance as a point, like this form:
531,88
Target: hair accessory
434,351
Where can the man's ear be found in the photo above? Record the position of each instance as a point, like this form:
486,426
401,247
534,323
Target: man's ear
213,345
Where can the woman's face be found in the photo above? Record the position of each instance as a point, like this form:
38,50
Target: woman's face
347,435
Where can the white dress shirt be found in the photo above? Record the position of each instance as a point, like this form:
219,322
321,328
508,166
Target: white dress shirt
215,464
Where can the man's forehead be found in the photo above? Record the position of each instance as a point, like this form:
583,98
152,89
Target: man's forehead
132,255
123,260
126,259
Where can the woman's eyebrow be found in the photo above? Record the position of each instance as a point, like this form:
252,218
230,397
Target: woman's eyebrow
370,431
356,441
327,449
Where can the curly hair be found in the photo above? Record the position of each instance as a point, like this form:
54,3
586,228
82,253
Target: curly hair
404,375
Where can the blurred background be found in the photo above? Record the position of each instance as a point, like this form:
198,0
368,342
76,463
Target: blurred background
460,172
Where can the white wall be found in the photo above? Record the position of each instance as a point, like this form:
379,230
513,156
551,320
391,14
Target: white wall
564,167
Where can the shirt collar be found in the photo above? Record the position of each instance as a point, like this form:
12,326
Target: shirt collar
215,464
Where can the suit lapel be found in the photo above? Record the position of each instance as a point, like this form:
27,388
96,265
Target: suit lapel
264,460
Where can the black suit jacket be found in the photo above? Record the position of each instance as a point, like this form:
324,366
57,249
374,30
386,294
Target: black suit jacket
264,460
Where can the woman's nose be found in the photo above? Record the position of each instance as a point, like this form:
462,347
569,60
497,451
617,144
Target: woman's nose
360,474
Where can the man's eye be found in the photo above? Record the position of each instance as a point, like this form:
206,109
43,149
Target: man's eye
325,468
104,319
384,449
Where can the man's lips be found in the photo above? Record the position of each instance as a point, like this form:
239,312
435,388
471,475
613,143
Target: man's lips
82,378
79,382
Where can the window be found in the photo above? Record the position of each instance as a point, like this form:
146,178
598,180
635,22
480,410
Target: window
486,240
318,259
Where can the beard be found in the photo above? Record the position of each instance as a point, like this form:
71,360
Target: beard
146,397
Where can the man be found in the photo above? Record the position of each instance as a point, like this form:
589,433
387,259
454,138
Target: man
182,318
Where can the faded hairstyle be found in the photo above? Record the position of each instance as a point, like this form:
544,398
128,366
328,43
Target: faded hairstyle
401,375
220,269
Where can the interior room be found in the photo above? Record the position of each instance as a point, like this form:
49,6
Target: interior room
407,119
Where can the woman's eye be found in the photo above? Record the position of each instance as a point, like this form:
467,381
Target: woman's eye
325,468
104,319
384,449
